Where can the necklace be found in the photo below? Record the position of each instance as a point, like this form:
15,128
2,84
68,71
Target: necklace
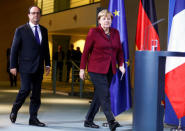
107,33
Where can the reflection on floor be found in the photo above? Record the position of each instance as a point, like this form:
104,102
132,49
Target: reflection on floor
59,111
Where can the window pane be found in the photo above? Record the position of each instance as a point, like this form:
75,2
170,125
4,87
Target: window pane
76,3
46,6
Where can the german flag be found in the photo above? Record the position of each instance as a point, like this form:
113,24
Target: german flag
147,37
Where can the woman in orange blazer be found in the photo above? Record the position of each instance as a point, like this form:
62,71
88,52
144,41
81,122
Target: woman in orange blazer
101,53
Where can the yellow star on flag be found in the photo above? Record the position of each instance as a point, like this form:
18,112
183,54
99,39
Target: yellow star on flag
116,13
128,63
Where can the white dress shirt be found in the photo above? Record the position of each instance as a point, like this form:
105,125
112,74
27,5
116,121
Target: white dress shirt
38,29
39,32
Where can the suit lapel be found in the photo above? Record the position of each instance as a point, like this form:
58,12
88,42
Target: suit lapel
42,33
102,33
29,30
111,33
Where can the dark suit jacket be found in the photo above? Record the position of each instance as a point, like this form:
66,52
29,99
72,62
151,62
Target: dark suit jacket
27,53
100,51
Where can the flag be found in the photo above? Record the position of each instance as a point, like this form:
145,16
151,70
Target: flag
175,67
147,30
120,93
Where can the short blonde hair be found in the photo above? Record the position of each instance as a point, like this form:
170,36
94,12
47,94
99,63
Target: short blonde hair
104,12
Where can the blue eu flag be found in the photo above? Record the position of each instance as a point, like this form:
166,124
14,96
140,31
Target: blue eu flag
120,88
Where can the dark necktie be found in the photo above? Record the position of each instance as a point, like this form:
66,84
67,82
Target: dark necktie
37,35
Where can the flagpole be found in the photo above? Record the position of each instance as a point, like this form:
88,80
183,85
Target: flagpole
179,128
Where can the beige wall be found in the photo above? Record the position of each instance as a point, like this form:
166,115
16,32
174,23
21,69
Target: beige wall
13,14
70,19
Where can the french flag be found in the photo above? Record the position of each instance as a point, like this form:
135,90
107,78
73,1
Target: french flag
175,66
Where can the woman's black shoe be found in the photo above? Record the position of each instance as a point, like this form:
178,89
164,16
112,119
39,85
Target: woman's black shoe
90,124
113,125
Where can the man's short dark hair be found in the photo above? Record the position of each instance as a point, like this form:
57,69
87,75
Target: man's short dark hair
32,7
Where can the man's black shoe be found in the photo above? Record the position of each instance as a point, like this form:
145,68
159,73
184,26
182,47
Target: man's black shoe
113,125
90,124
13,117
36,122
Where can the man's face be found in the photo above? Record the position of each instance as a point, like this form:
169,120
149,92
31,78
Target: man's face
34,15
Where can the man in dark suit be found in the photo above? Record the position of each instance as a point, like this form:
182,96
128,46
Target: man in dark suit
30,51
59,57
70,57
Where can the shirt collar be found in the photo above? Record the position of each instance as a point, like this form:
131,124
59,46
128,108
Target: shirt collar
101,29
32,25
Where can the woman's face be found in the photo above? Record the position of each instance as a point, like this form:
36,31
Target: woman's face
105,21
